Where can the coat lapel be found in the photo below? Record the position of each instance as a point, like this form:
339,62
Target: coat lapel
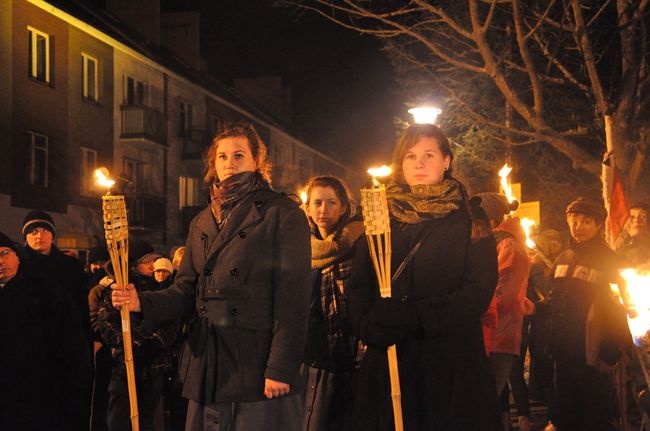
244,214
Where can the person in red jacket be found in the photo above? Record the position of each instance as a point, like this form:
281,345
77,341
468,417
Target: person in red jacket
502,325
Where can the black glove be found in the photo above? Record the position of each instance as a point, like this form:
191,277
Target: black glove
395,314
375,335
146,350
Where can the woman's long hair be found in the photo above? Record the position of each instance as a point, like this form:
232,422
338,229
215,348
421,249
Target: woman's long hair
258,149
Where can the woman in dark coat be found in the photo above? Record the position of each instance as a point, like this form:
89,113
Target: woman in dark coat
331,348
245,275
434,314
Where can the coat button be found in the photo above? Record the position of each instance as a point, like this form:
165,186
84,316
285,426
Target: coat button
207,272
242,234
203,310
234,311
234,272
404,298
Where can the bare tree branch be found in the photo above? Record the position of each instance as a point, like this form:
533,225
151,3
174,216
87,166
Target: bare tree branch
528,61
589,60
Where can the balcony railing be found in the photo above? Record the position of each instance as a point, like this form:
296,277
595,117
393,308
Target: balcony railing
146,211
195,142
139,121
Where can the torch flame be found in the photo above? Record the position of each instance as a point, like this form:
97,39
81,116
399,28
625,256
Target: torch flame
382,171
526,224
101,175
638,293
505,183
303,196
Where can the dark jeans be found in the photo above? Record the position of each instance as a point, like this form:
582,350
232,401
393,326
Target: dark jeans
119,412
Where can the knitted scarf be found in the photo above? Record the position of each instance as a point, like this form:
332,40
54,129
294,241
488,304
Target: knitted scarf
224,194
415,204
324,252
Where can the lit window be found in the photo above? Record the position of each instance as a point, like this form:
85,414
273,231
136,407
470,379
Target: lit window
88,166
89,77
189,192
39,149
39,55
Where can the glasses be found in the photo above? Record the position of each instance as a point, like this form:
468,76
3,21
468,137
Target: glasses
5,253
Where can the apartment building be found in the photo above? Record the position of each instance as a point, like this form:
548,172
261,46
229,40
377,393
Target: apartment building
82,88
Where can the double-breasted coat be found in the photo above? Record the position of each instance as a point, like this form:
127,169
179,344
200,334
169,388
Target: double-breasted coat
445,380
247,285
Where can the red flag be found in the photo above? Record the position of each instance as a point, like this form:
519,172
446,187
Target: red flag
615,203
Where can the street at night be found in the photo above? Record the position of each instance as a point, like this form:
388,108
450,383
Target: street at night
324,215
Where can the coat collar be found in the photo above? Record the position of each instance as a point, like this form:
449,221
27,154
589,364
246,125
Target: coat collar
244,214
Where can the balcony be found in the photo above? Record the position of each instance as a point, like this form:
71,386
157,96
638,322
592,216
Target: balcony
195,142
143,122
146,211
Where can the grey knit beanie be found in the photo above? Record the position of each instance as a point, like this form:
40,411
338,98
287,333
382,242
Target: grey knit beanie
496,205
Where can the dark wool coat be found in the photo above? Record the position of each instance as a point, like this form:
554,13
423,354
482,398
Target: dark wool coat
587,322
44,357
249,287
435,320
67,272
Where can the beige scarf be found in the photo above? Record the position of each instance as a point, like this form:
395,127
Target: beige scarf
325,252
415,204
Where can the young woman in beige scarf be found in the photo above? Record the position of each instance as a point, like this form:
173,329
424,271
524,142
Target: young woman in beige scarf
331,346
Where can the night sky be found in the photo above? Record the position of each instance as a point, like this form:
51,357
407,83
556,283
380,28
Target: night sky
344,94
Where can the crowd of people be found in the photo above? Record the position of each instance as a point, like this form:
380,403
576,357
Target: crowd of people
270,317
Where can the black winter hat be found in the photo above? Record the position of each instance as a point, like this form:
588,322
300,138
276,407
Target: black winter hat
588,206
38,218
5,241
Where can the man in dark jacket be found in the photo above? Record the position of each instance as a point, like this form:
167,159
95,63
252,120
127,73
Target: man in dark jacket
52,264
589,327
45,258
45,363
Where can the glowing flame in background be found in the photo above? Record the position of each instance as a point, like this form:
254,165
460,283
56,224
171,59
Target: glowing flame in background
101,175
526,224
505,183
303,197
638,292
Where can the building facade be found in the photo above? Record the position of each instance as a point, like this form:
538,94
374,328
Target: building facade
82,89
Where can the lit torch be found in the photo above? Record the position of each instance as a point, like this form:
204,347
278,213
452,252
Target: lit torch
505,182
635,297
636,294
377,224
116,229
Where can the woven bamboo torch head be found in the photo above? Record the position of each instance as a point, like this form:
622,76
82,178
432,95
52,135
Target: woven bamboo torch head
374,205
